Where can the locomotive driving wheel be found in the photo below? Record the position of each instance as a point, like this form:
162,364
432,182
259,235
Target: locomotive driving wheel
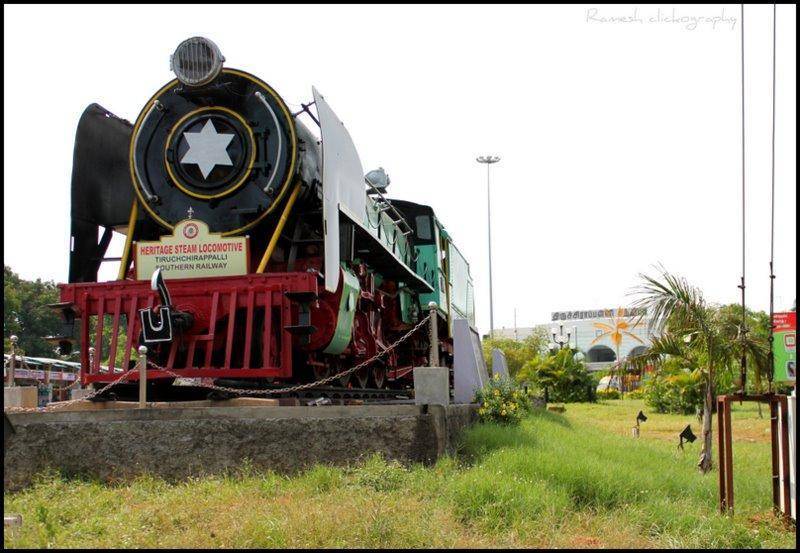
378,376
336,366
320,371
362,377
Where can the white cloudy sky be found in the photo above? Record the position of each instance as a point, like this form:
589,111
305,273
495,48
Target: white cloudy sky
620,142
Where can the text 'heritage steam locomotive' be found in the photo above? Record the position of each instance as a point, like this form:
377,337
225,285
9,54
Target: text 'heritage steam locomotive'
273,257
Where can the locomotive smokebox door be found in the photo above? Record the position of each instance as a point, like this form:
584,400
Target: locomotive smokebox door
218,140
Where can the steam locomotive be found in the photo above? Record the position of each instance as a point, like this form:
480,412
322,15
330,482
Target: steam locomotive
254,250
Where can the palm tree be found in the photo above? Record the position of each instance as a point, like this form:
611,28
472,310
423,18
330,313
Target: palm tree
708,337
684,325
616,332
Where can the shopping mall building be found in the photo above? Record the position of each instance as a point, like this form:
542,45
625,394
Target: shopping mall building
600,334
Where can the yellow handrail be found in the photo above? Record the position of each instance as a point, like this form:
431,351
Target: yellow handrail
281,223
126,252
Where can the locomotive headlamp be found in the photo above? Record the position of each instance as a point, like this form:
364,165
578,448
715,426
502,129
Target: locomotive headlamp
196,61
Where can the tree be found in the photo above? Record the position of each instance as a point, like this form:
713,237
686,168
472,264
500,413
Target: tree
517,352
26,314
706,337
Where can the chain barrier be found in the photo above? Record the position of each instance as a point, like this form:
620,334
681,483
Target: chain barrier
24,364
60,404
299,387
255,391
69,387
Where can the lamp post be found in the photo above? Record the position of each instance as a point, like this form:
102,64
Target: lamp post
488,160
559,338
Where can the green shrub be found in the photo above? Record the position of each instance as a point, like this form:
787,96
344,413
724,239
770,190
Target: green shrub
638,393
564,377
609,393
675,390
502,401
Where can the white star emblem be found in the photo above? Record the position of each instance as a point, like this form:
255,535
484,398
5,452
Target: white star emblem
207,148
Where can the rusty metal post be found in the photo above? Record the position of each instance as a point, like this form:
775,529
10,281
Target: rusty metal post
12,361
787,497
728,455
142,377
723,499
434,358
774,437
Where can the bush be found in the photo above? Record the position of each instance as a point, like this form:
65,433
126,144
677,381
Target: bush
610,393
638,393
675,390
503,401
565,378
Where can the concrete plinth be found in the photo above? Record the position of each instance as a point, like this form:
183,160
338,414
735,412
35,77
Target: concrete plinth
182,442
20,396
431,386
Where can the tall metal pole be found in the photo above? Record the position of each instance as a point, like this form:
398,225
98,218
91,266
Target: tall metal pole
743,331
489,219
516,335
488,160
771,339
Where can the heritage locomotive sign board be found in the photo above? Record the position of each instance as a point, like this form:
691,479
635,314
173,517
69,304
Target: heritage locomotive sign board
191,251
784,346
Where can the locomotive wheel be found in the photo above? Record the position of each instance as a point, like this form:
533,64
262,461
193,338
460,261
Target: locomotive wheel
336,366
378,376
321,372
362,377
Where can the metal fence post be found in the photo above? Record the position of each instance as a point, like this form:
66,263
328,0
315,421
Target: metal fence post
12,361
142,377
434,360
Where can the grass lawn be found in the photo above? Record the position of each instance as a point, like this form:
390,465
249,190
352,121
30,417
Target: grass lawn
571,480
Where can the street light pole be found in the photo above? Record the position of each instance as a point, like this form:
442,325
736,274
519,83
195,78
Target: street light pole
488,160
559,338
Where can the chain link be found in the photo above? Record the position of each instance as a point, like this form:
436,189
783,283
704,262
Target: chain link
61,404
299,387
256,391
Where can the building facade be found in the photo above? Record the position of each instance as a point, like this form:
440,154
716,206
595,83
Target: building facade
602,335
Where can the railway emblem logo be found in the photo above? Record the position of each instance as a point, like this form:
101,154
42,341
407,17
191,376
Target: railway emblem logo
190,230
207,148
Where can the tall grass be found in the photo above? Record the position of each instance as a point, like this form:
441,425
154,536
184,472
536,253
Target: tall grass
573,480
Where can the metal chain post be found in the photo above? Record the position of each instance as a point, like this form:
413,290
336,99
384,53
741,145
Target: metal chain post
142,377
434,358
12,362
56,406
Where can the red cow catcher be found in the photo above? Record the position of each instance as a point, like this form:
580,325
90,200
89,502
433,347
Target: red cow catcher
239,325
